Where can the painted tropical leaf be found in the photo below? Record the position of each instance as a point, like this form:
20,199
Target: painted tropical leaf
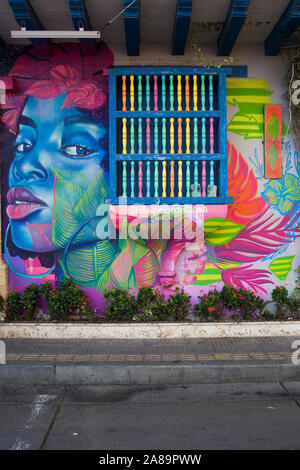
209,275
218,231
158,246
213,272
242,186
87,264
250,95
87,206
281,266
79,178
246,278
119,272
76,201
273,126
258,239
64,221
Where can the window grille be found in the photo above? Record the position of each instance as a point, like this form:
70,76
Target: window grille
168,136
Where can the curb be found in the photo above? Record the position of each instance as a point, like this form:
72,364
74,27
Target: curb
159,374
148,330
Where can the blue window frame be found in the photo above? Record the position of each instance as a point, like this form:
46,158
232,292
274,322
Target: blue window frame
168,135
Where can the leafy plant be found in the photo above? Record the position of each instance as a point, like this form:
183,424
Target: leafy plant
209,305
67,302
120,305
280,297
233,302
14,307
151,305
2,303
30,301
179,305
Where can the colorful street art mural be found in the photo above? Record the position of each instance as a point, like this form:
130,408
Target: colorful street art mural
55,176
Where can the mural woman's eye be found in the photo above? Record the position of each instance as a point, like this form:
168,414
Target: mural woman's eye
76,150
23,147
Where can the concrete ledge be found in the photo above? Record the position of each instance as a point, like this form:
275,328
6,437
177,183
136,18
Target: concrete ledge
148,330
125,374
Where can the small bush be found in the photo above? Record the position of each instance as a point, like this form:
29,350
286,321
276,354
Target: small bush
179,305
209,306
230,302
67,302
151,305
280,297
14,307
120,305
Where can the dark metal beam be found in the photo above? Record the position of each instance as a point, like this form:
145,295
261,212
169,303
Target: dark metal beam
284,28
181,26
80,17
132,27
234,22
27,18
2,47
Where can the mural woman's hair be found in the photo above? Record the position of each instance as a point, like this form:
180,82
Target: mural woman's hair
65,69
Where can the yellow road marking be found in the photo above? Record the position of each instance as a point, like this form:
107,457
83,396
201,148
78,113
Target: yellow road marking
150,357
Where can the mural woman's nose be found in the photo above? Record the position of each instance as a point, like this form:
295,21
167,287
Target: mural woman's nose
29,169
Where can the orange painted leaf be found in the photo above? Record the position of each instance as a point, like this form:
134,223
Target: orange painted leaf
242,186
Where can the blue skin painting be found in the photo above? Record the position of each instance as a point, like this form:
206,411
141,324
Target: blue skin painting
49,137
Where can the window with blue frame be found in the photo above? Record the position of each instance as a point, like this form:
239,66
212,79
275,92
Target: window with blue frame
168,135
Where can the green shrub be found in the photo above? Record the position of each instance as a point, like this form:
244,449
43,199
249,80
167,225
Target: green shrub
120,305
280,298
209,306
67,302
14,307
179,305
151,305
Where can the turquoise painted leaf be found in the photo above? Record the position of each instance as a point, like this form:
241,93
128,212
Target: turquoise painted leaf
64,222
87,264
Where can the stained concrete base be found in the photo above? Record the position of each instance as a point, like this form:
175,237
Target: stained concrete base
149,330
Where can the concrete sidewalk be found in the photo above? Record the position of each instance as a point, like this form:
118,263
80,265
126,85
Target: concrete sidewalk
149,361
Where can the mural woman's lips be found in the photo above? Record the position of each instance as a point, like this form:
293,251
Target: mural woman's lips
22,202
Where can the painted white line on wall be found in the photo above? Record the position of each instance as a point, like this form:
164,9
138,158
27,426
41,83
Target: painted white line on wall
22,442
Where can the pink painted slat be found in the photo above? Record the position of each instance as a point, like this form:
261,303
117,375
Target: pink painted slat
204,178
140,179
155,94
211,135
148,137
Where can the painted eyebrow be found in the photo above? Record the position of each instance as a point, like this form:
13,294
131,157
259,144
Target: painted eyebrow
73,120
27,121
79,120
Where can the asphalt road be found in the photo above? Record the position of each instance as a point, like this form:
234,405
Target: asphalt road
190,417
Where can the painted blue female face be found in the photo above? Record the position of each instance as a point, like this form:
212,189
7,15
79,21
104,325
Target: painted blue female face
49,138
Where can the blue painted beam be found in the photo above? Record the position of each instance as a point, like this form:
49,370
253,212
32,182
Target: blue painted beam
132,27
181,26
284,28
2,47
27,18
234,22
80,17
